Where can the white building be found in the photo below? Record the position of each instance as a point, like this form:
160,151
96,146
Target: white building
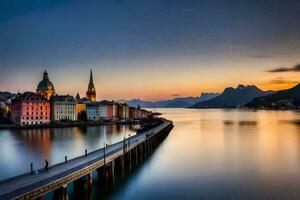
63,108
103,110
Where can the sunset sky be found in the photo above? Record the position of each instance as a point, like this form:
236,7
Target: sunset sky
149,49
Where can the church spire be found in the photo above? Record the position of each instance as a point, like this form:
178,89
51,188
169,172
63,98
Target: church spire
91,78
91,92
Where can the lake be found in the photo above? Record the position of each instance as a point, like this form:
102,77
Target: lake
210,154
18,148
222,154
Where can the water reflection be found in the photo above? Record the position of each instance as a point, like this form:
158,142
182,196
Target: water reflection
210,154
20,147
222,154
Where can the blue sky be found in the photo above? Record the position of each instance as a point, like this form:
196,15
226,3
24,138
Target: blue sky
148,49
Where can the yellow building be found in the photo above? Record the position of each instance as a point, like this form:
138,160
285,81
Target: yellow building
80,107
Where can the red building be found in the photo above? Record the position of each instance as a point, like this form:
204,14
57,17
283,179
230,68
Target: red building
106,109
30,109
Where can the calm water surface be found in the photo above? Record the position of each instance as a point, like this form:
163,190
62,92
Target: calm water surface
20,147
210,154
222,154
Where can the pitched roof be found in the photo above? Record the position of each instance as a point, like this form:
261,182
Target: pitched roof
29,96
68,98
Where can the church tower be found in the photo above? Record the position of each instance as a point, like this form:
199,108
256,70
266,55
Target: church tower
91,92
45,87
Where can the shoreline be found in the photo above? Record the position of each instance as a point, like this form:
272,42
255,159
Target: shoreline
66,124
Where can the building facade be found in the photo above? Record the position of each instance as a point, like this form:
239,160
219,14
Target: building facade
91,92
30,109
123,111
103,110
45,87
137,113
107,110
145,113
92,111
63,107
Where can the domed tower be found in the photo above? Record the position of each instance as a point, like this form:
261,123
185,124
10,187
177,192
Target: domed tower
45,87
91,92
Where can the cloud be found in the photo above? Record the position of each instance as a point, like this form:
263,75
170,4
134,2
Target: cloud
296,68
175,95
281,80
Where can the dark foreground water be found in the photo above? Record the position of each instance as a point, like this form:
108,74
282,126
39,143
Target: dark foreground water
210,154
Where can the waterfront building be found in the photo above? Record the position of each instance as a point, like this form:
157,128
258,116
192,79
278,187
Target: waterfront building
107,110
123,111
145,114
115,110
30,109
103,110
45,87
91,92
81,108
5,108
81,111
92,111
63,107
137,113
134,113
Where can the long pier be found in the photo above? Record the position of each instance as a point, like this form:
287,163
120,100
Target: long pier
107,161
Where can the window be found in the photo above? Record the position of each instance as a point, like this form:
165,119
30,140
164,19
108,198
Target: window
41,107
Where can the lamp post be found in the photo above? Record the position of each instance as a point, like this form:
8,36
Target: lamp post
128,140
104,152
31,168
124,145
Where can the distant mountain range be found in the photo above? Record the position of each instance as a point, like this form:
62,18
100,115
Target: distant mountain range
182,102
233,97
283,99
